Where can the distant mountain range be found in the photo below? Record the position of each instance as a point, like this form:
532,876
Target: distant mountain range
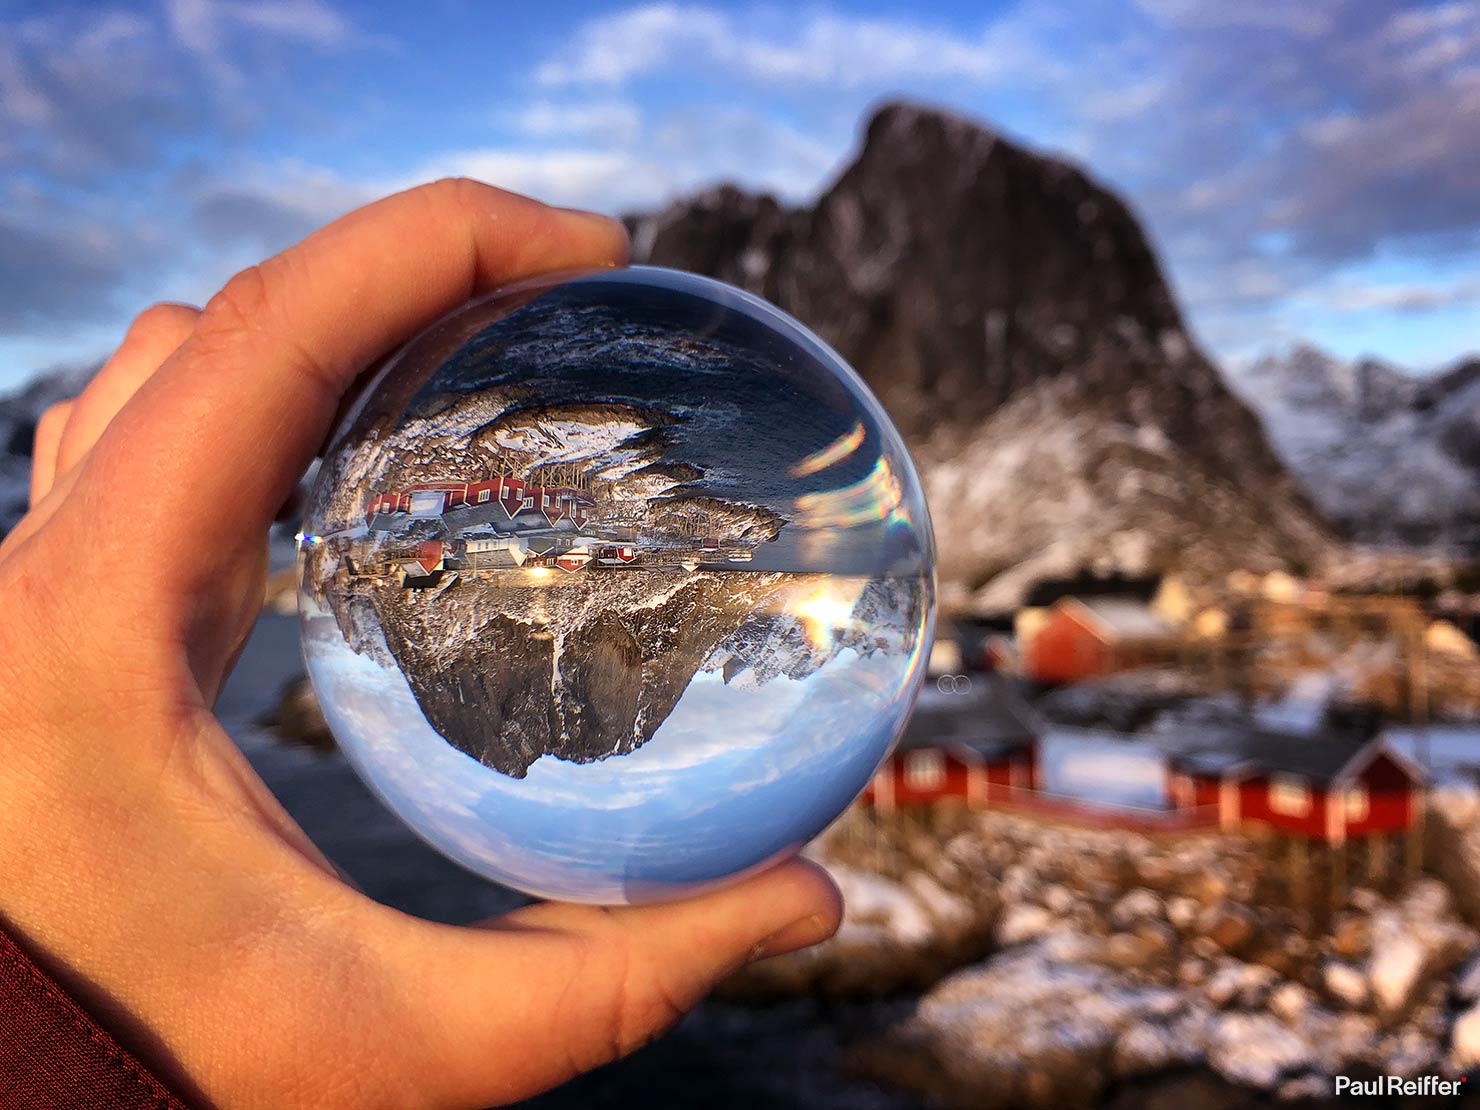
1010,314
1389,457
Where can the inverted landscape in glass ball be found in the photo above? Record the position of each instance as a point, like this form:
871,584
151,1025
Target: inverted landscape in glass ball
616,585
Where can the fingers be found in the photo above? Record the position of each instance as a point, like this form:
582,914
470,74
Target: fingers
248,398
152,338
45,447
556,990
68,430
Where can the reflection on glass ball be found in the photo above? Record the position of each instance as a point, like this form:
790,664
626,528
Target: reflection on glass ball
616,585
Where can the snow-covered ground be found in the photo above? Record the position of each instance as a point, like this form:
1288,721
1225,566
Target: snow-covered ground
1448,751
1103,767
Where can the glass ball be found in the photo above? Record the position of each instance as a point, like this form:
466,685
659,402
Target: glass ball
616,585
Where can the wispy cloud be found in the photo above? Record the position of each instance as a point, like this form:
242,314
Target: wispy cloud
201,25
612,122
823,48
1397,297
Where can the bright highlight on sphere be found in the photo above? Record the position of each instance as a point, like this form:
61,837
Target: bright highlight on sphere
616,585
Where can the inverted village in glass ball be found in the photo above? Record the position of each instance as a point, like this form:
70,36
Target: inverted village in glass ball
616,585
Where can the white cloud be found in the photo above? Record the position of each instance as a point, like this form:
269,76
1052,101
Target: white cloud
1395,296
683,152
1305,19
199,25
605,179
824,49
608,121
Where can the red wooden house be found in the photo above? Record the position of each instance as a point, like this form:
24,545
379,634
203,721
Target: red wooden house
575,559
976,758
513,495
1325,786
1084,638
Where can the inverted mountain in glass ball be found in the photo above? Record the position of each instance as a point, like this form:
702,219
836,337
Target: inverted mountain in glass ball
616,584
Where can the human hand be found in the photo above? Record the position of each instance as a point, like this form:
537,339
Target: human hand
142,858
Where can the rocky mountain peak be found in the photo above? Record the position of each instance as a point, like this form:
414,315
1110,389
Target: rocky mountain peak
1011,315
1364,389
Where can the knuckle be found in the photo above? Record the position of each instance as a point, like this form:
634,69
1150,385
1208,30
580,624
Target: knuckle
243,312
53,419
651,1010
647,1002
241,303
164,321
459,192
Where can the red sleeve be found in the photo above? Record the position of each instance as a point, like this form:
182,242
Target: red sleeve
53,1056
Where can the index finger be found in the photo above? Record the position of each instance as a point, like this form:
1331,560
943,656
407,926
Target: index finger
231,421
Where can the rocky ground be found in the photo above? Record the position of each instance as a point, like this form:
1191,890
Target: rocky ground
1095,966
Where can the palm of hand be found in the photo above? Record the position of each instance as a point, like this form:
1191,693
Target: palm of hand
142,857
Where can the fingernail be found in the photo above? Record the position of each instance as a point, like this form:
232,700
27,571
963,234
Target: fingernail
799,934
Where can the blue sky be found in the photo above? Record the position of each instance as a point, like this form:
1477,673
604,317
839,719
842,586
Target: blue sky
1307,171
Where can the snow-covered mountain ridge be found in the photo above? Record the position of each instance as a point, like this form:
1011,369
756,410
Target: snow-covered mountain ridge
1390,458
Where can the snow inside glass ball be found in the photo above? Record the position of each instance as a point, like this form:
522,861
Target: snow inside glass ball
616,585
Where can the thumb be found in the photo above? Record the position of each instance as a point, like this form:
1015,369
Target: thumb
543,994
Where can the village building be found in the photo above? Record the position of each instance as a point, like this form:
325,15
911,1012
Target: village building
1084,638
977,759
1331,778
538,500
1329,785
988,643
494,552
424,564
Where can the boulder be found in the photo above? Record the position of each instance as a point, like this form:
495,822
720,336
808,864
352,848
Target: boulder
299,720
1412,944
1345,984
1467,983
1465,1040
1395,970
1022,923
1257,1049
1130,951
1182,912
1232,928
1453,843
1026,1029
1145,1048
1192,972
1291,1003
1136,906
1058,899
1235,982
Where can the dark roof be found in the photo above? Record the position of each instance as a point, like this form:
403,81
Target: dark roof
984,623
994,721
1135,588
1318,756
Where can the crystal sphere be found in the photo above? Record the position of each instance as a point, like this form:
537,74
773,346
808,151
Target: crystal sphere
616,585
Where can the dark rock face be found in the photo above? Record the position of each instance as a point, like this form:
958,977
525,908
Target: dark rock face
601,664
1011,316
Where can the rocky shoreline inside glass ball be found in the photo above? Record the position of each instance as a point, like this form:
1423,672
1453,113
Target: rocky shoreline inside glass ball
560,539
